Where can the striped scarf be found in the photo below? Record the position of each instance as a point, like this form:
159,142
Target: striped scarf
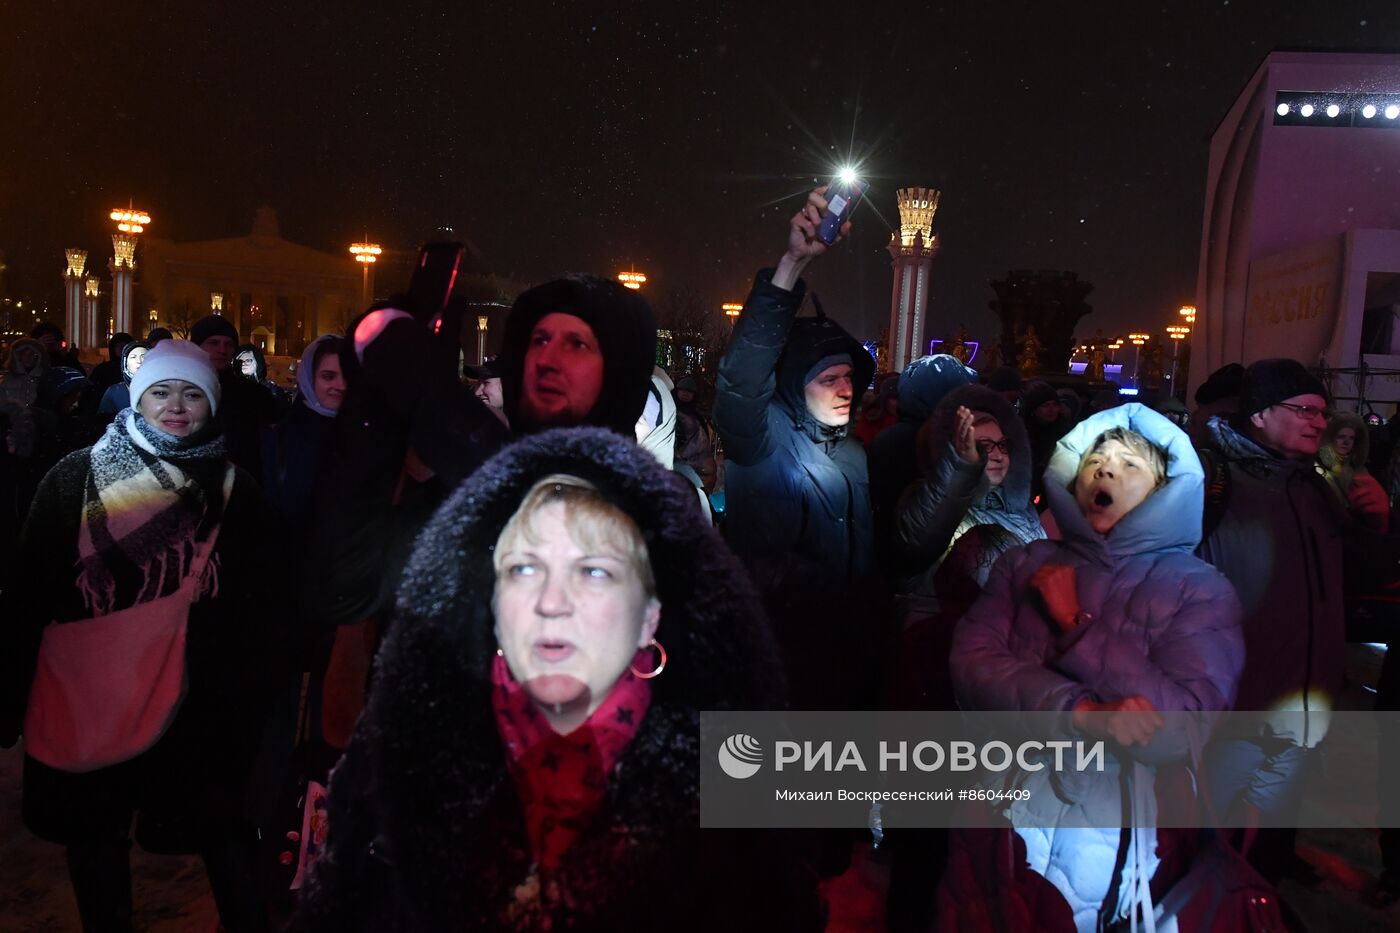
151,499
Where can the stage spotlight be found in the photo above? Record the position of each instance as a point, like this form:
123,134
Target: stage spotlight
1368,111
1333,110
1392,112
1306,110
1281,110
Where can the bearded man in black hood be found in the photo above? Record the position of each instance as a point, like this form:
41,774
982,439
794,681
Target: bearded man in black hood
796,481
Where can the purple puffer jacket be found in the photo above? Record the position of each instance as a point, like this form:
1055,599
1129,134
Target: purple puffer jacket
1165,626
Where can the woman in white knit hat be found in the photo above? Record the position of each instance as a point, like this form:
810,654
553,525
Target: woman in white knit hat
139,663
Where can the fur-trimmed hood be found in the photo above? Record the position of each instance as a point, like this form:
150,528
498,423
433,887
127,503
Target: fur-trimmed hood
937,432
15,368
425,777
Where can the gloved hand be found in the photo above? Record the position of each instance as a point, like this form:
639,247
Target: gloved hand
1369,502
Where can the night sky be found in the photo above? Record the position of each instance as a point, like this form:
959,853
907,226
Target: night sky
674,136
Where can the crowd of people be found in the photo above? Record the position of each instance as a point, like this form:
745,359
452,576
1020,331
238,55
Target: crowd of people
416,648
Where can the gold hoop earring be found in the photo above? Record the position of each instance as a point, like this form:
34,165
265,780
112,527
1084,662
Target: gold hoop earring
660,664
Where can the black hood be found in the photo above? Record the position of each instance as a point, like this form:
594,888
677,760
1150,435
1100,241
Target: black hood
938,431
811,340
428,735
259,361
626,330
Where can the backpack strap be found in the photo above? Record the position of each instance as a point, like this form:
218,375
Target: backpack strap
1217,471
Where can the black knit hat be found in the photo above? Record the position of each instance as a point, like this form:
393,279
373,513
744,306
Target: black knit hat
626,330
1223,383
1268,382
212,325
1037,393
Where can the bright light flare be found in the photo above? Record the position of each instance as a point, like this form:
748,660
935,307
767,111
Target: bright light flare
1392,112
365,252
130,220
1306,110
1333,111
1282,110
847,175
1368,111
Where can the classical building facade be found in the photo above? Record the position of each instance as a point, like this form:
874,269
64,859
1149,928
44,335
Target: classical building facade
278,294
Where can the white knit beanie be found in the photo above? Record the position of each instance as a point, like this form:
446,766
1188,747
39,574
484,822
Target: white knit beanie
176,359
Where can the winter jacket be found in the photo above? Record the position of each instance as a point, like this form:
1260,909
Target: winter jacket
893,458
798,495
1279,541
695,443
954,495
426,828
293,451
280,396
1162,624
245,409
21,382
798,502
660,438
236,654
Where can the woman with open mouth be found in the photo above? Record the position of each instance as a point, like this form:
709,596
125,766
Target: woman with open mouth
1116,622
529,757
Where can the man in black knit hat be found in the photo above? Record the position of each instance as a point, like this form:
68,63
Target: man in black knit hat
246,405
1278,538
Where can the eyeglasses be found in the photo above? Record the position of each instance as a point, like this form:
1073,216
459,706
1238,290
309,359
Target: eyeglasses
985,446
1307,412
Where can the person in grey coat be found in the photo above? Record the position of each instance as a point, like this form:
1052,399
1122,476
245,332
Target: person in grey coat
1117,618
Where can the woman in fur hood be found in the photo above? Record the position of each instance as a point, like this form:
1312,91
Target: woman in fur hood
529,757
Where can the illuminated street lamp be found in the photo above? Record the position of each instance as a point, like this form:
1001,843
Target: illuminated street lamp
1178,333
1138,340
1188,312
130,223
481,322
1114,347
731,310
367,254
633,280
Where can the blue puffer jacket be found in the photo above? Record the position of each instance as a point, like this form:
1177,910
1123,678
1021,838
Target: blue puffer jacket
1164,625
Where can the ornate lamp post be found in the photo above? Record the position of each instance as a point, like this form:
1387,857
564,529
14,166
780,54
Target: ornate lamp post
481,322
731,310
130,224
633,280
1138,340
366,254
1178,333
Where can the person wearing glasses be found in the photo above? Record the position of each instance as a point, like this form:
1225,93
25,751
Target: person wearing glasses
1278,539
975,458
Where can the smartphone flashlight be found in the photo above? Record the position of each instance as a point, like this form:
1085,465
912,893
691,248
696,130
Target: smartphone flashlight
842,196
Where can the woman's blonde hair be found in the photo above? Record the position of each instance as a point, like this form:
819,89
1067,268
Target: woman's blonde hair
1155,456
594,523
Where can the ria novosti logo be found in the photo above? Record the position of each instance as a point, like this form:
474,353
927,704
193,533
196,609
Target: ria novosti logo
740,756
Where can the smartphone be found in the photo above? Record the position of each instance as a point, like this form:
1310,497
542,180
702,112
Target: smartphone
841,199
433,279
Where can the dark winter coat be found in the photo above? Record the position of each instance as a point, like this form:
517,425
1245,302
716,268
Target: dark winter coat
1162,624
426,829
1279,541
280,396
797,496
236,653
245,408
368,511
893,462
954,495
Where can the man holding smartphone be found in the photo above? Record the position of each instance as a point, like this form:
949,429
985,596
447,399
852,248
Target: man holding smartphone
796,482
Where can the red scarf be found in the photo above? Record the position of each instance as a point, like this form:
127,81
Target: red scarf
562,779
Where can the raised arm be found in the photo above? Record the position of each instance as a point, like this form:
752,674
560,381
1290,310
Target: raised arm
746,380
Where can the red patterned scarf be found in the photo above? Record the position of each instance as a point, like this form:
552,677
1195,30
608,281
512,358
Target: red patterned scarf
562,779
